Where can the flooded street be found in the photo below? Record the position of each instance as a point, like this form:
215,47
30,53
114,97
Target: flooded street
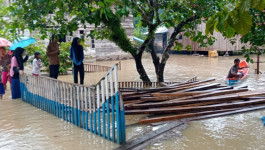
23,126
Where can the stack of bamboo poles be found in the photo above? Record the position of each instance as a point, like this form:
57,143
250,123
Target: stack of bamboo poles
187,100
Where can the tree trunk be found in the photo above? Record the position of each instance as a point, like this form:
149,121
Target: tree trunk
165,55
155,58
172,39
120,38
140,69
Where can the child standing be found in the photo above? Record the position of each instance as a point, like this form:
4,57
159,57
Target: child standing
2,89
37,64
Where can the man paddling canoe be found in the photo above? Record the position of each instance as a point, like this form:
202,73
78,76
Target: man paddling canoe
234,70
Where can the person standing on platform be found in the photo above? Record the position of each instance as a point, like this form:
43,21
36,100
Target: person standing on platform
77,56
53,56
17,68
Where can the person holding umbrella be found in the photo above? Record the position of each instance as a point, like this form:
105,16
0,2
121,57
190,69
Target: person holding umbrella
17,68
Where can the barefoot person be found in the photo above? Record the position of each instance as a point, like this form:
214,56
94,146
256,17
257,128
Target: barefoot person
5,62
77,55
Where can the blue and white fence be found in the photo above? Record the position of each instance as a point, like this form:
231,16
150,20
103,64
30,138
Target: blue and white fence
98,109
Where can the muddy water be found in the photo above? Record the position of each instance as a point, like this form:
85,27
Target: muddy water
25,127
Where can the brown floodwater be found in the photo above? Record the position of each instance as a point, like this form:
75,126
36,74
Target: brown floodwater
23,126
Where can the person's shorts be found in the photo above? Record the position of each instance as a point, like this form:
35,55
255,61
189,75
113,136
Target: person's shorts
6,77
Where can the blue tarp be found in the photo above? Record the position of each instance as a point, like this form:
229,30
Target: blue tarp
137,39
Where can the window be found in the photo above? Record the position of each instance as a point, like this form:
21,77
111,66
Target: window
81,32
92,39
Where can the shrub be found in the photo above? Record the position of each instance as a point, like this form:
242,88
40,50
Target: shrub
65,60
37,47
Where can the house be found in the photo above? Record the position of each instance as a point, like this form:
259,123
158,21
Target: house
97,48
103,48
221,44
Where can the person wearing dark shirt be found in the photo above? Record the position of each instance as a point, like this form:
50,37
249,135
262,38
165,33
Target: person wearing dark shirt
77,55
233,72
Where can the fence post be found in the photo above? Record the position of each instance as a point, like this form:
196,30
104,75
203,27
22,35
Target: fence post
103,107
107,103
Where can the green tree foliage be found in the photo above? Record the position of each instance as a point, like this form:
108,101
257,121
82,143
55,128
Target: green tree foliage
3,14
235,18
37,47
256,36
244,17
65,16
65,61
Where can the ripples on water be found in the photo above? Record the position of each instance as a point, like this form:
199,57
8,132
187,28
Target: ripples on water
23,126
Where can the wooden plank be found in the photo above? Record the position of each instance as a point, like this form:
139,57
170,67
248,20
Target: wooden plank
186,86
177,94
209,86
215,93
135,97
215,96
174,86
181,116
163,96
219,89
199,108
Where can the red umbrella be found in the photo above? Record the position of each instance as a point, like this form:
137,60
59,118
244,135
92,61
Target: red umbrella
4,43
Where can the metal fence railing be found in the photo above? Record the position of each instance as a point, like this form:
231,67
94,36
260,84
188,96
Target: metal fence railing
98,108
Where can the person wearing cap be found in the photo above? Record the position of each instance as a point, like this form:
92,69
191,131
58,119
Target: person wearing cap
37,64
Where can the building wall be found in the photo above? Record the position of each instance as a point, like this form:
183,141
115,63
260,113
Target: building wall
103,48
221,44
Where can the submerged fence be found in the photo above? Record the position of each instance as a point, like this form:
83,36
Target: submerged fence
98,109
